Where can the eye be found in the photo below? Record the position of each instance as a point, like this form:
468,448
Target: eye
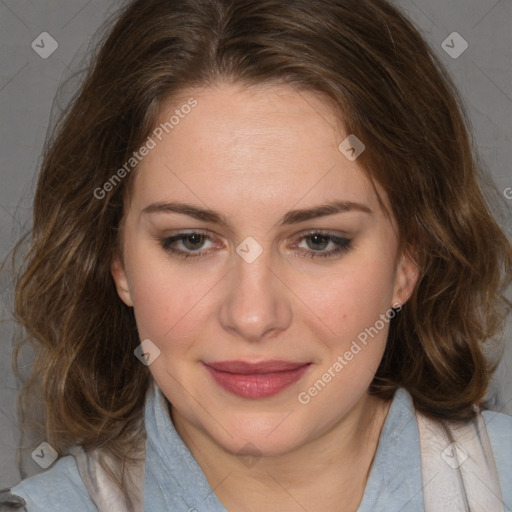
197,244
317,242
187,245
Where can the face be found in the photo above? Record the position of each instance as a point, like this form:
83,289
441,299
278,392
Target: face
270,311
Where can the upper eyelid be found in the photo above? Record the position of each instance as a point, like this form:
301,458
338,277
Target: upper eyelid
342,244
297,238
327,233
207,233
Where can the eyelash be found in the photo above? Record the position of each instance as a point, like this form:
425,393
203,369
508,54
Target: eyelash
344,245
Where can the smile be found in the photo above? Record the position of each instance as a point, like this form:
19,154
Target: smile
256,380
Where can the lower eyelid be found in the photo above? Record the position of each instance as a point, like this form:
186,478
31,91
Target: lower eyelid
338,250
335,239
342,244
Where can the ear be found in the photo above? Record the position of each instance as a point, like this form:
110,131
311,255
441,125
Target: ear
407,275
119,274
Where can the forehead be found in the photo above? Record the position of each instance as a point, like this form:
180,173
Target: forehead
267,146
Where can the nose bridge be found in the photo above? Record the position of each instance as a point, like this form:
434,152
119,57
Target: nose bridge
255,303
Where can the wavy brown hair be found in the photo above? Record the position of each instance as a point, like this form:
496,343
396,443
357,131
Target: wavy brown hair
388,88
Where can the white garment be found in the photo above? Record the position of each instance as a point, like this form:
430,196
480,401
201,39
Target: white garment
458,469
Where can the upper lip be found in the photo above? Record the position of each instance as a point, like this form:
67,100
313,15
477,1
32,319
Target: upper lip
246,368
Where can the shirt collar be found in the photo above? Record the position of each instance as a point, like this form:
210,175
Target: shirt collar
394,480
178,473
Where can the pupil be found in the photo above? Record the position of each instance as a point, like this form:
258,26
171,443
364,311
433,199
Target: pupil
321,240
195,239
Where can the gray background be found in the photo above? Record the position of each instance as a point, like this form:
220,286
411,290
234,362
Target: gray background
28,84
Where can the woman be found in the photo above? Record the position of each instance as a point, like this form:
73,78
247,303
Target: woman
263,273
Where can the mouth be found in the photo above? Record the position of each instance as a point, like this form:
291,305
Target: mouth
256,380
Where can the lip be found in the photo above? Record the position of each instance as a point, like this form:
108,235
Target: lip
256,380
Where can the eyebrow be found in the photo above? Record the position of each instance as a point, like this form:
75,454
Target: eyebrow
291,217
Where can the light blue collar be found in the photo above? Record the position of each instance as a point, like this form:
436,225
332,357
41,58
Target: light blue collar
394,482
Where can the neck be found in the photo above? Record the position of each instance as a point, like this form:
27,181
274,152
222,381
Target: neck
327,471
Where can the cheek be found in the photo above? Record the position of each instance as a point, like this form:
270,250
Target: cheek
167,304
352,298
353,333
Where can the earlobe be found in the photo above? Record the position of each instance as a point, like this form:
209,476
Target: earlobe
407,275
119,275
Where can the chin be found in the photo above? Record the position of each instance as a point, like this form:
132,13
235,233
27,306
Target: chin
261,446
267,437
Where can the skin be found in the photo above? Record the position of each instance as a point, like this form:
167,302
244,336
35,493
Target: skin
253,154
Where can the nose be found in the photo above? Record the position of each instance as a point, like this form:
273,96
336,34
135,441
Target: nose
256,304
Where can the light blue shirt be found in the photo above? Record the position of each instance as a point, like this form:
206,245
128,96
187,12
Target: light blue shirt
174,482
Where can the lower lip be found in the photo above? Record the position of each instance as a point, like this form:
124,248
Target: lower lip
257,385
